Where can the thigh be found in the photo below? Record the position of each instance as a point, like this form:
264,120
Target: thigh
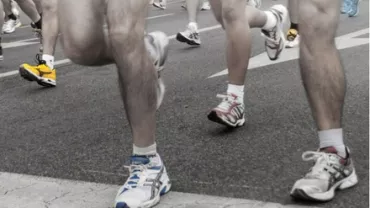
127,17
81,23
233,8
228,10
216,7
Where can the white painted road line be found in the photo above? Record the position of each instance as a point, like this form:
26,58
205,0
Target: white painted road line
342,42
65,61
7,74
25,191
159,16
14,72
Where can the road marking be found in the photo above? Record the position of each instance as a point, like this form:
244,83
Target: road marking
200,31
14,72
159,16
18,44
342,42
26,191
7,74
66,61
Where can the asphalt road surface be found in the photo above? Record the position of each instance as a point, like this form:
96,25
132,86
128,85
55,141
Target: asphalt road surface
78,130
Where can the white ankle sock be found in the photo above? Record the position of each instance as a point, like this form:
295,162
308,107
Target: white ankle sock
333,138
193,26
271,21
238,90
150,150
49,60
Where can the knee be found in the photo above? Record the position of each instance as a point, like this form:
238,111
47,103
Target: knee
230,14
126,37
318,22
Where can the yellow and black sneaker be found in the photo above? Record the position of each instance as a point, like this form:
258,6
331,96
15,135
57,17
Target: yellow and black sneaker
40,73
292,38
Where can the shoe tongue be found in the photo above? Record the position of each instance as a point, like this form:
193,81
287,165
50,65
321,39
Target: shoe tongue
331,150
42,61
139,160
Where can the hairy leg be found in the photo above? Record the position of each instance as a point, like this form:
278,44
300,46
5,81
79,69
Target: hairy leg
29,7
136,72
50,26
321,68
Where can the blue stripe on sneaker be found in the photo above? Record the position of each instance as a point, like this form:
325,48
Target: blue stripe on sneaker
122,205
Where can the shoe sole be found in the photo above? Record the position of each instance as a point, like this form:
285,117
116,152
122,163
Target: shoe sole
29,76
183,39
348,182
212,116
289,44
9,32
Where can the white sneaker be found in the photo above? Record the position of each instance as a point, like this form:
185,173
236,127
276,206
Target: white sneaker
329,173
229,112
275,40
18,22
157,47
206,6
9,26
159,5
148,181
254,3
189,36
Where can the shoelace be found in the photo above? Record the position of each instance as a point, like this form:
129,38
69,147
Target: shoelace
227,101
39,60
190,32
322,161
135,170
271,38
291,35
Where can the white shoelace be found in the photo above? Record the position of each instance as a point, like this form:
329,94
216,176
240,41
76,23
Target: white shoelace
322,161
272,37
135,170
227,101
140,171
